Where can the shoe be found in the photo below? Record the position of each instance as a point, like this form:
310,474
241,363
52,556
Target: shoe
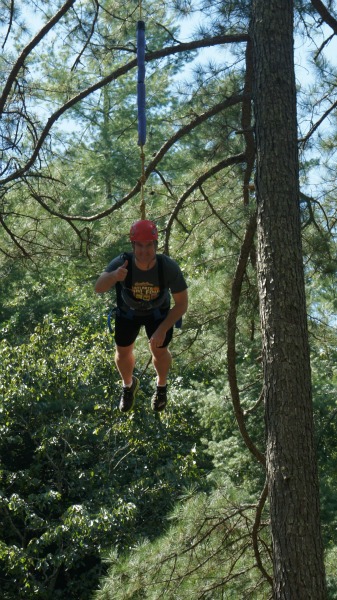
159,398
129,395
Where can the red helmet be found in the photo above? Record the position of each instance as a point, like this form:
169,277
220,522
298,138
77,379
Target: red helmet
143,231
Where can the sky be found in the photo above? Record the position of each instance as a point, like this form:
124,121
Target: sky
190,23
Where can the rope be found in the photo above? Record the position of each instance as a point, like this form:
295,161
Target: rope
142,184
141,104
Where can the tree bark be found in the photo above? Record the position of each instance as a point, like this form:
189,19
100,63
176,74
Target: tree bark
290,447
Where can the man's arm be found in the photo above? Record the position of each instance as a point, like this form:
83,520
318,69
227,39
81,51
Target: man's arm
107,280
177,311
174,314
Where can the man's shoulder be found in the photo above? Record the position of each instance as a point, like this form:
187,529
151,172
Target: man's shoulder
173,275
118,260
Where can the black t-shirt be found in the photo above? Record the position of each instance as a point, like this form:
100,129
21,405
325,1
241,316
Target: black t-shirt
145,284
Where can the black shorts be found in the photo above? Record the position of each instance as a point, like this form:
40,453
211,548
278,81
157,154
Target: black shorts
127,330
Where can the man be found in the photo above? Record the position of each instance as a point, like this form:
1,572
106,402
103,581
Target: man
144,280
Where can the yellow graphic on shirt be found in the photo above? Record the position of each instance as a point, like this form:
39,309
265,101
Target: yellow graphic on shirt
143,290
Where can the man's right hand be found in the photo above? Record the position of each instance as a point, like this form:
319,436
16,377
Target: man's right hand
121,272
109,278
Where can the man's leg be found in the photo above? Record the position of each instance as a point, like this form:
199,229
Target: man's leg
125,363
161,360
126,331
161,356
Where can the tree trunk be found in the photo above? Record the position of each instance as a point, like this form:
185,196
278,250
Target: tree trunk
291,460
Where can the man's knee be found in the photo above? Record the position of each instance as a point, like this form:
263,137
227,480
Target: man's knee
123,352
160,353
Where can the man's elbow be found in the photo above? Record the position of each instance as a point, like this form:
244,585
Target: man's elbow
100,288
183,305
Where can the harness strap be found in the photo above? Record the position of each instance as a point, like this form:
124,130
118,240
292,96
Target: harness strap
124,295
128,280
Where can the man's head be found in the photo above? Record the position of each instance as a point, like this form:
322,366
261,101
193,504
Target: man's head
144,239
143,231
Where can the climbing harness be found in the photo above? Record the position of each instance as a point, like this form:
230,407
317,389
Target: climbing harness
147,305
125,296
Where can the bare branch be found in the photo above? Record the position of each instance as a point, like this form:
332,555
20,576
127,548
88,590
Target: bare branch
255,531
11,12
215,212
258,402
325,14
13,237
78,58
26,51
231,336
226,162
304,139
232,101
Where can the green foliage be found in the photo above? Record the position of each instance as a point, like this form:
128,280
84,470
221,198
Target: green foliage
28,292
204,554
330,563
77,477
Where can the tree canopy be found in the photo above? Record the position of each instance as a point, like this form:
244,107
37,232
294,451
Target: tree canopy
79,482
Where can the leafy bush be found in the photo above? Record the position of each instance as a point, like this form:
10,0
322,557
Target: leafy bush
77,476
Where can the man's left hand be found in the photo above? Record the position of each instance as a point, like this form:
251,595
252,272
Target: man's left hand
158,338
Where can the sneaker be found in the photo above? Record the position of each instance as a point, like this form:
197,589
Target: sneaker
129,395
159,398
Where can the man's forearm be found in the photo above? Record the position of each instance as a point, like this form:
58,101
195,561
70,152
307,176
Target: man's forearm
174,314
105,282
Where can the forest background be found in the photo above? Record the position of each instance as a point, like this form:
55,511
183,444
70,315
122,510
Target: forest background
93,503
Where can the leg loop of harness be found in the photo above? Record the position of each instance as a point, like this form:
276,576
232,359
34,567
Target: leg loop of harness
117,312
